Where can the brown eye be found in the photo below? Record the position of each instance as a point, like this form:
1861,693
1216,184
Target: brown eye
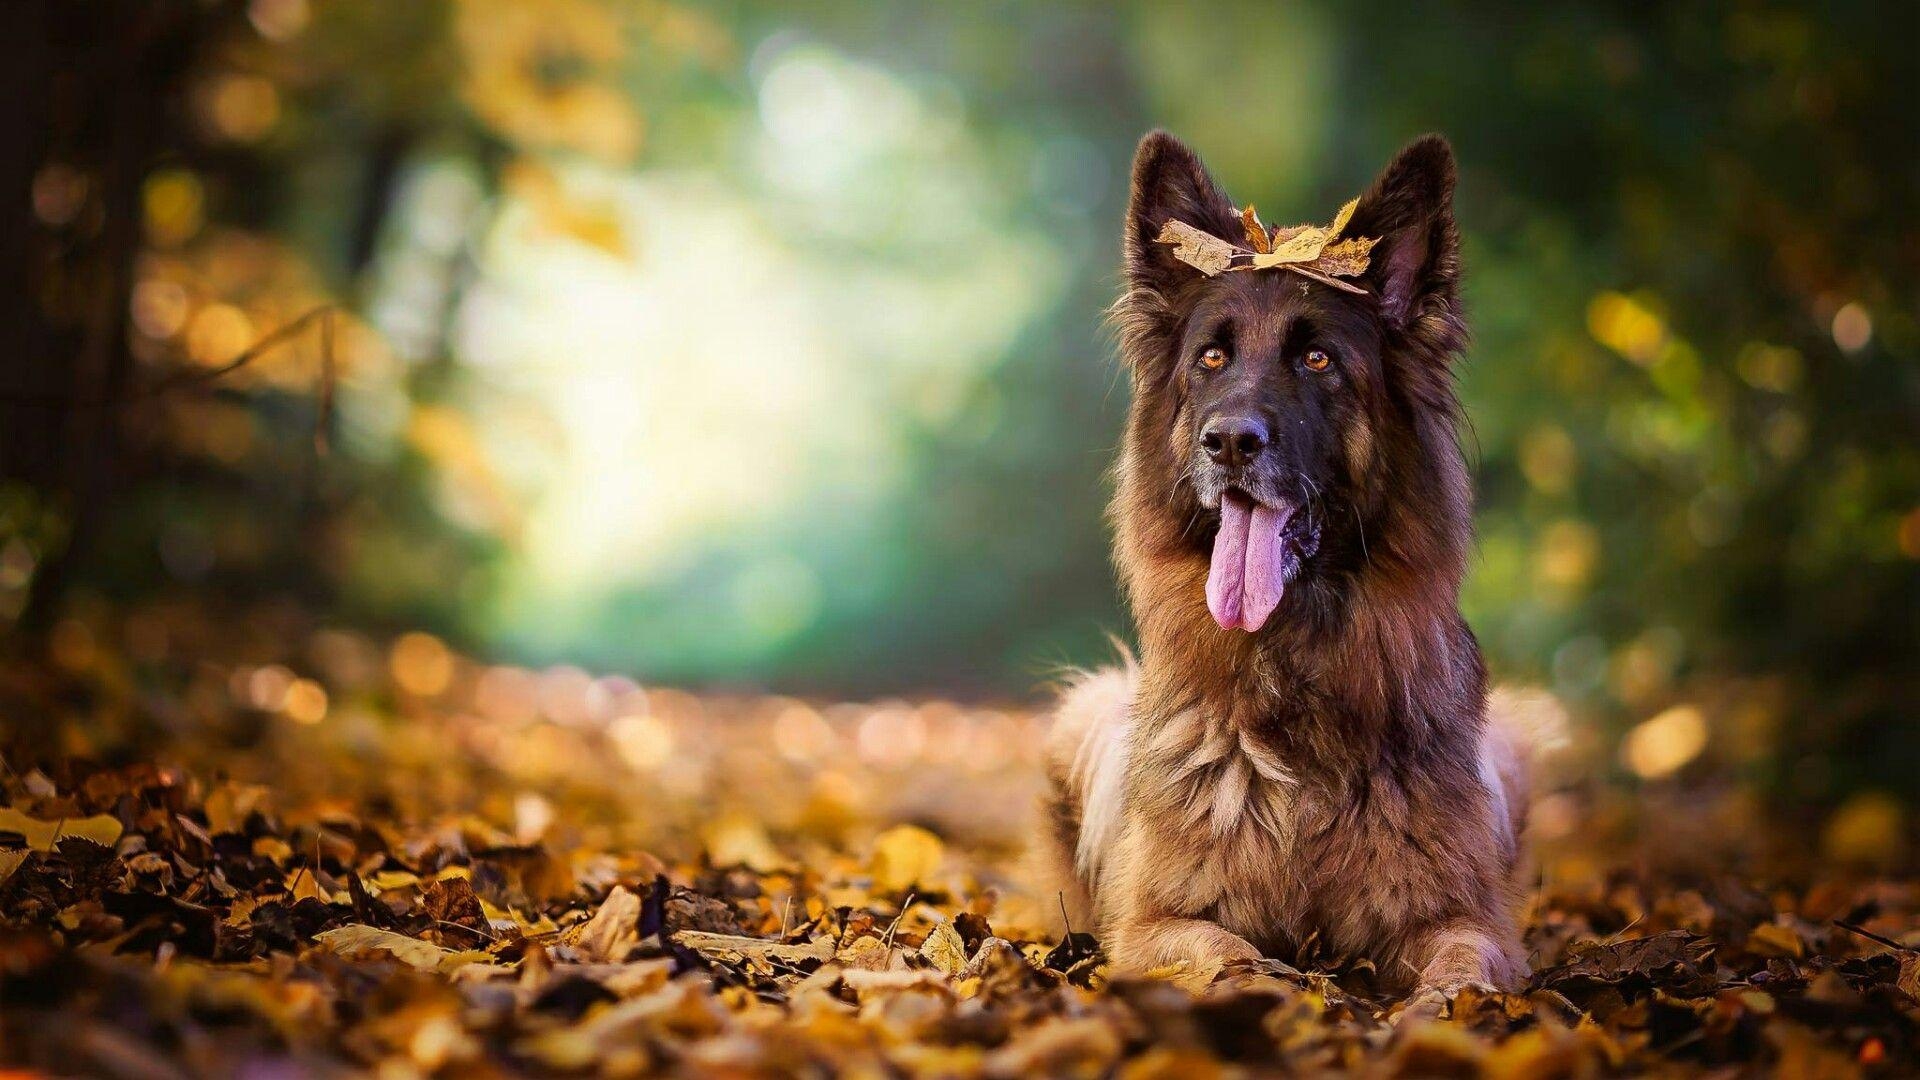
1317,360
1214,358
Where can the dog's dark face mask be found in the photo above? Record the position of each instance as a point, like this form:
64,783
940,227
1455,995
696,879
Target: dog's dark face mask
1287,399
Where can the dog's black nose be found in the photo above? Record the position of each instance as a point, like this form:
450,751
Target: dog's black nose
1233,441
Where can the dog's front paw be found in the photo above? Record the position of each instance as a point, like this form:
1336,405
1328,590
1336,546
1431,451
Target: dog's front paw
1233,949
1434,1000
1197,943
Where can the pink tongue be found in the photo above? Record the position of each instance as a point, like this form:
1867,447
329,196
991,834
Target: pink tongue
1244,583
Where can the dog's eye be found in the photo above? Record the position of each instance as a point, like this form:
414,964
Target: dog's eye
1213,358
1317,360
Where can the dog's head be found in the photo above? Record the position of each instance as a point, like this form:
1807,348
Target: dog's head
1285,428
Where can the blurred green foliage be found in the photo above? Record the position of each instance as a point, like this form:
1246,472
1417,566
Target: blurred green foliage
1690,237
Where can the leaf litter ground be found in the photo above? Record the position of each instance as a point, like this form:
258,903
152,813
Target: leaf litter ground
331,858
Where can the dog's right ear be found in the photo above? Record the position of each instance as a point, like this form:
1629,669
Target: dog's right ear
1169,183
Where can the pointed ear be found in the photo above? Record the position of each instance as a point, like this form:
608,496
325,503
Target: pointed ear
1169,183
1416,265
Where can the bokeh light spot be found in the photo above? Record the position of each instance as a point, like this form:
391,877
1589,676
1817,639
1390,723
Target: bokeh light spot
1628,326
1852,328
305,702
175,207
1869,827
644,742
421,664
1662,745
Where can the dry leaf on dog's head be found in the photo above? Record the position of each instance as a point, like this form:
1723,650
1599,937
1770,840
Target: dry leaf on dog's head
1204,252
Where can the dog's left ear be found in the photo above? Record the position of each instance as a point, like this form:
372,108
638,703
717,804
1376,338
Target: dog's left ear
1416,265
1170,184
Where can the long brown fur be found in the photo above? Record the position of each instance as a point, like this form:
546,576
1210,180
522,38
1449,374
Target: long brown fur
1328,788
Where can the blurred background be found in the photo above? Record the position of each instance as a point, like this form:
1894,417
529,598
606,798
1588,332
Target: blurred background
759,346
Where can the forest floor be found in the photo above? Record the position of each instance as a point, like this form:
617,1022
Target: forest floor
329,856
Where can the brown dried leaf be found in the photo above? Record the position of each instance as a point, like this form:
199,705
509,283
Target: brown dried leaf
1674,952
1059,1047
733,949
1909,981
614,929
1348,258
356,938
451,900
1257,237
1203,251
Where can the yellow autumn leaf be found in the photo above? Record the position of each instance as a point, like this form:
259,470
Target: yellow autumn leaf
356,938
390,879
1773,939
103,829
904,856
241,913
735,948
1312,250
229,805
1302,248
303,886
1340,219
735,839
944,949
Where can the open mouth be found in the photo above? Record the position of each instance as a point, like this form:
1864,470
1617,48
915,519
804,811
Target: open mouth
1257,551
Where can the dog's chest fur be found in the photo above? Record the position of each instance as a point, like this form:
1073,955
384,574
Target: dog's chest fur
1287,855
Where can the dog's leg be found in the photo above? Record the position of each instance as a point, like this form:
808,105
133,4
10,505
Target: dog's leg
1142,943
1468,952
1152,908
1085,758
1050,860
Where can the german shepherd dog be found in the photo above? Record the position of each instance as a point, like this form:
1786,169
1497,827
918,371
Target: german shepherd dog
1300,763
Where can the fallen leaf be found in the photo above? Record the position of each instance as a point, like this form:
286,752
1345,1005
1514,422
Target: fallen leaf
228,805
944,949
302,885
738,840
905,856
356,938
102,829
1671,953
451,900
1059,1047
1774,939
868,953
733,948
614,929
